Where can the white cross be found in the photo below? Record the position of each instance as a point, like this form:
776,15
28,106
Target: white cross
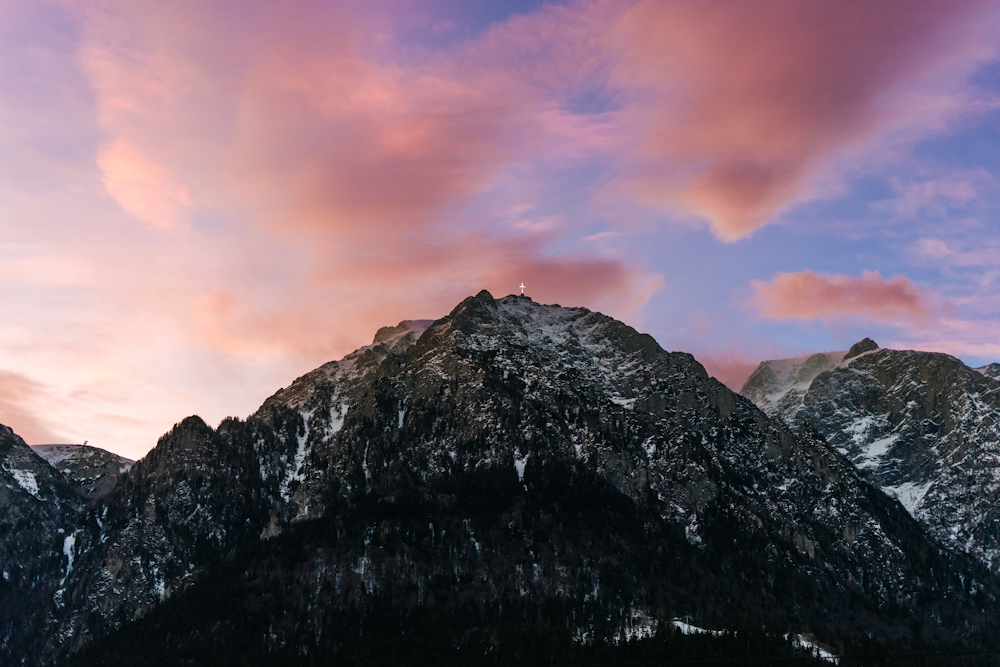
522,289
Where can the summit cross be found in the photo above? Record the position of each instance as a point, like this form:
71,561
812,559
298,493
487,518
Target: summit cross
522,289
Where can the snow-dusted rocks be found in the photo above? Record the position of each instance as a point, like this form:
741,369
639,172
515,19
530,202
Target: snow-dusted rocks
991,371
777,386
923,426
39,509
514,453
95,472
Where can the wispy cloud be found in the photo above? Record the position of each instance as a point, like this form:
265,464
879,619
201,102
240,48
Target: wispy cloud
952,253
937,196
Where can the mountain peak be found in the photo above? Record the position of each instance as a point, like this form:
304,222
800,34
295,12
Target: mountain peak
862,346
990,370
96,472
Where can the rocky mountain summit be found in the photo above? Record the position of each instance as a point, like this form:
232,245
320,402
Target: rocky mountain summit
990,370
95,471
923,426
513,474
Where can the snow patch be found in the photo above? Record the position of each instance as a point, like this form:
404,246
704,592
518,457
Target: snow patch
68,543
800,642
294,473
519,467
876,450
689,629
26,480
910,494
626,403
859,428
55,454
418,327
691,532
337,413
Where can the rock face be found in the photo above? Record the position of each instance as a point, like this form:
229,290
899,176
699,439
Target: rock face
95,472
777,387
43,531
862,346
510,461
991,371
923,426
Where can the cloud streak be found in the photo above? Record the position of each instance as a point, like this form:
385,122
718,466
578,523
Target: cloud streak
808,296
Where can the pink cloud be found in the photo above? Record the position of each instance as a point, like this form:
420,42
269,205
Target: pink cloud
19,399
737,105
142,187
806,295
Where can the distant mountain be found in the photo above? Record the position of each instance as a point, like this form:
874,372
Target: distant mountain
923,426
95,471
991,371
777,387
511,481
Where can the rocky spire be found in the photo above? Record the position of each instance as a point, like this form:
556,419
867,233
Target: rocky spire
862,346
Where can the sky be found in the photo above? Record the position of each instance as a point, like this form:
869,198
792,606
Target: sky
201,201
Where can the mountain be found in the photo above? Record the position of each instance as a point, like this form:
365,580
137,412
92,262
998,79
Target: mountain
922,426
96,472
777,387
43,530
990,370
511,481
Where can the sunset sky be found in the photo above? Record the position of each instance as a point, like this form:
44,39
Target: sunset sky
201,201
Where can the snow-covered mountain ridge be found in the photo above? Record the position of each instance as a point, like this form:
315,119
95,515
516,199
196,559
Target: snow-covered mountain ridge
508,456
923,426
95,471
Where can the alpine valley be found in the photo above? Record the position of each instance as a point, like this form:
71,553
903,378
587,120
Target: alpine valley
519,483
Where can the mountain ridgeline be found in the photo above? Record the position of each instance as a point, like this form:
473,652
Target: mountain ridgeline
513,483
923,426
